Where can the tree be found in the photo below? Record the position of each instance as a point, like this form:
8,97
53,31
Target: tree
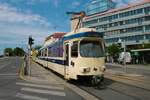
35,50
145,45
8,51
37,47
113,49
18,51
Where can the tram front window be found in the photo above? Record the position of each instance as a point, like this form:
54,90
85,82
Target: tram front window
90,48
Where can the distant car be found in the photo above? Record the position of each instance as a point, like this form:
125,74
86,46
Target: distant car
1,56
126,56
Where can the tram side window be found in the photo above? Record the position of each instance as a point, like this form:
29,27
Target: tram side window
49,52
45,52
40,53
74,49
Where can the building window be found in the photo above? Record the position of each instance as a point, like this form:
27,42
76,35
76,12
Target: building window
116,24
74,49
147,10
139,11
135,29
147,18
147,28
148,36
98,6
132,12
121,22
140,20
87,23
114,16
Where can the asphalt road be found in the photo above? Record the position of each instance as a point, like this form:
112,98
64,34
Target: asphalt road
8,77
13,88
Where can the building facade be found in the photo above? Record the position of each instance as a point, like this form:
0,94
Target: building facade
98,6
130,24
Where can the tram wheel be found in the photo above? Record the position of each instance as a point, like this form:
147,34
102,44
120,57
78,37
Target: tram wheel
97,81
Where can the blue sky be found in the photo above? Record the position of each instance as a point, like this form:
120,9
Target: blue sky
39,18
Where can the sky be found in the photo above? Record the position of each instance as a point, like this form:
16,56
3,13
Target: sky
39,18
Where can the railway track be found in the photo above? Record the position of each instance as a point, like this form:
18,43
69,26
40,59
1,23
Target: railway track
128,78
114,90
135,92
132,81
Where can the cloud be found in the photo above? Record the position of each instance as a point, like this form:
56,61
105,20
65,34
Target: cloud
16,26
17,35
75,4
12,15
33,2
28,2
55,2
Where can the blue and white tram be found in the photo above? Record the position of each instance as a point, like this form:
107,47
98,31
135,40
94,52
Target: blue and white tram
75,55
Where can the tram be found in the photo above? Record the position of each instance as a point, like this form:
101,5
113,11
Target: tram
75,55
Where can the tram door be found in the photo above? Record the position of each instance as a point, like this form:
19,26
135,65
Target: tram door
66,67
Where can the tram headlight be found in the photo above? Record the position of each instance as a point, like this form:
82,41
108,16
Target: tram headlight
85,69
102,68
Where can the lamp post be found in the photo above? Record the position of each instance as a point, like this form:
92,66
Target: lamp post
123,45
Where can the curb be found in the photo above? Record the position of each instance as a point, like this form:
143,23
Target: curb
21,74
130,66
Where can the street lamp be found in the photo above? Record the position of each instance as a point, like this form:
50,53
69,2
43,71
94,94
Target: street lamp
123,45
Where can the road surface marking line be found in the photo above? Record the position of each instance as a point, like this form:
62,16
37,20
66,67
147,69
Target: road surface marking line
57,93
41,86
29,97
4,65
11,74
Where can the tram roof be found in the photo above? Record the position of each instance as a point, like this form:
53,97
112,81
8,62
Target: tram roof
83,34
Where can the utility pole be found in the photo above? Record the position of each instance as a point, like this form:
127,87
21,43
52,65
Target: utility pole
123,45
76,19
125,56
30,43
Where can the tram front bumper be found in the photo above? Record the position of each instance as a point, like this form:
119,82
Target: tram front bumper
92,70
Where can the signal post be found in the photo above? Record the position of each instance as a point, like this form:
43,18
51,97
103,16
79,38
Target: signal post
30,43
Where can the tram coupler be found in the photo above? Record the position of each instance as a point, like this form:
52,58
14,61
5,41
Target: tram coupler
97,80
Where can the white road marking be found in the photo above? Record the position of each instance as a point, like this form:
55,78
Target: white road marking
3,58
57,93
4,65
29,97
41,86
10,74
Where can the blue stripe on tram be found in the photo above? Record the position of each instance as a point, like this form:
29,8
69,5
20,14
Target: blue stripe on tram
61,62
84,34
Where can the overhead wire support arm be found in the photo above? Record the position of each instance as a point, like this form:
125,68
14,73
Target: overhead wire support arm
77,15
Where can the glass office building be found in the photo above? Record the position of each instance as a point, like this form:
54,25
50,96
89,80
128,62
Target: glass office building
98,6
130,24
